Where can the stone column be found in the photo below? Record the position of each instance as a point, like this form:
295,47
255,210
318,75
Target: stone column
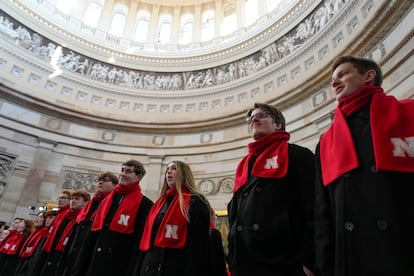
131,21
196,36
153,177
153,25
31,190
175,25
106,16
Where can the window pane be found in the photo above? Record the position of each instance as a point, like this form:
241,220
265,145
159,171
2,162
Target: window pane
118,24
92,15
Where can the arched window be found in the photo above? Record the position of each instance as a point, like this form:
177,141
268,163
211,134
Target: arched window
207,25
118,20
65,6
92,15
164,31
229,24
186,29
272,4
141,31
251,11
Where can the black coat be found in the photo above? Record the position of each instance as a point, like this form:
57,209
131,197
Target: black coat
365,219
107,252
77,240
217,260
192,259
271,221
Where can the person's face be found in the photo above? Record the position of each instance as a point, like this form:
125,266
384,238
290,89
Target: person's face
346,80
127,175
38,220
260,127
14,224
104,186
20,226
63,200
49,220
171,174
76,202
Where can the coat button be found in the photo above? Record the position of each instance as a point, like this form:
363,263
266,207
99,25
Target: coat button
346,175
245,194
239,228
146,268
159,267
373,169
98,249
255,227
349,226
382,224
259,189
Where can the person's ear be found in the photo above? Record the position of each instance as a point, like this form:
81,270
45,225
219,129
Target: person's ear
370,76
278,126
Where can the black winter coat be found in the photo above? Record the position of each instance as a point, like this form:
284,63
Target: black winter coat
192,259
365,219
108,253
271,221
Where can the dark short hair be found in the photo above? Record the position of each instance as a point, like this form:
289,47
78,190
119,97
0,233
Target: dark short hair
362,65
86,196
271,110
138,166
111,176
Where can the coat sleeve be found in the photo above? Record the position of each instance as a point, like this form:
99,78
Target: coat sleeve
198,239
324,227
304,169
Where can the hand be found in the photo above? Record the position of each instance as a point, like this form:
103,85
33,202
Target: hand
307,271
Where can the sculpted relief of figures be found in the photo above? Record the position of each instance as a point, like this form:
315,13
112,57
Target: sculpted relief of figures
126,77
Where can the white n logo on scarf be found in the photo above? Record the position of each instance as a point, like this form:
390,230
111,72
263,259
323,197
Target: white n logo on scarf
401,147
171,231
271,163
123,219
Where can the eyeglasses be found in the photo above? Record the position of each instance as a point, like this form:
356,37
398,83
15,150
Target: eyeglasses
62,197
258,116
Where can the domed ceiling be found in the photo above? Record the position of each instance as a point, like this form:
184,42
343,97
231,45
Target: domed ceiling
154,66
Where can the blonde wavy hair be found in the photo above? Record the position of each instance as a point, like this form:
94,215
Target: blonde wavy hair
185,179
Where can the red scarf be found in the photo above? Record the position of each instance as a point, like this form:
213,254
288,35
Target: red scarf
68,230
172,232
11,246
124,218
392,136
32,241
272,160
85,210
70,215
47,246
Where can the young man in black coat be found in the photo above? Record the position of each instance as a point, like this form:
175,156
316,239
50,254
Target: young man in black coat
364,214
117,227
271,212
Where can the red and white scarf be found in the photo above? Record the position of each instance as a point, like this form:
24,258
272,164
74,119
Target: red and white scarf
85,210
272,158
172,232
70,215
392,129
32,241
12,244
124,218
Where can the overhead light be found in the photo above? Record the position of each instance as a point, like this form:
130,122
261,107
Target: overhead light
55,73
